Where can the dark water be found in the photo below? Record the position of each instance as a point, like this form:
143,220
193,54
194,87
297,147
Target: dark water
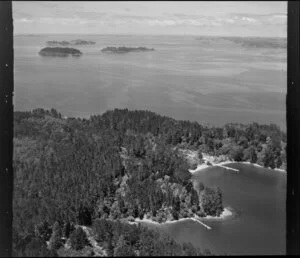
258,196
184,78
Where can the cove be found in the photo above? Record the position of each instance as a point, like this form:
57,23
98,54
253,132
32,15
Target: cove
257,196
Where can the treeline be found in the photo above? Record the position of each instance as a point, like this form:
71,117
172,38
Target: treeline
262,144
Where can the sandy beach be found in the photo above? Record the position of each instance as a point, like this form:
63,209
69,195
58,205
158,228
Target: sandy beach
257,165
196,219
226,214
204,165
214,162
199,168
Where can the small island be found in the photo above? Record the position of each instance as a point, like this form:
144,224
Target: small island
60,51
123,50
61,43
72,42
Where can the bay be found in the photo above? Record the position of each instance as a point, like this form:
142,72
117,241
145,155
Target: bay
257,196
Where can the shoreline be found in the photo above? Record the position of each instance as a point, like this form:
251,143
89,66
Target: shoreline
260,166
226,214
222,164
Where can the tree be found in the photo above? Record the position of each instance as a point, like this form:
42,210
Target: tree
122,207
38,248
43,230
194,198
250,155
266,157
278,162
122,248
211,201
253,156
110,247
176,207
55,240
188,249
201,186
236,153
67,229
79,239
84,216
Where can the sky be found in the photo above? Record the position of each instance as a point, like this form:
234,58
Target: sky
212,18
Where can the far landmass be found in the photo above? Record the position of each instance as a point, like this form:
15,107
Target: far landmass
72,42
251,42
60,51
257,42
122,50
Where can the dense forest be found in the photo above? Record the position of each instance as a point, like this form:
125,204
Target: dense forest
119,165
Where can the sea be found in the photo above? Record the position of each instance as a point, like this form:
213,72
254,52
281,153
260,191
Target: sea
212,81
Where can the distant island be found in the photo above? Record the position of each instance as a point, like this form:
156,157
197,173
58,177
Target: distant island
60,51
257,42
122,50
248,42
72,42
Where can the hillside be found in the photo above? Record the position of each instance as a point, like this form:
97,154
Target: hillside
122,165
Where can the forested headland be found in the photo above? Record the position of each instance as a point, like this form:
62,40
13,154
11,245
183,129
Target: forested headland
117,166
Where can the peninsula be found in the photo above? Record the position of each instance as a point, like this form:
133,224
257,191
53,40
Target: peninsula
131,166
59,51
122,50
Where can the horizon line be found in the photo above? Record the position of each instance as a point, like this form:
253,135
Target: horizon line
143,34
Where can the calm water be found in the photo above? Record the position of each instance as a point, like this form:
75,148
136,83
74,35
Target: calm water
258,196
211,82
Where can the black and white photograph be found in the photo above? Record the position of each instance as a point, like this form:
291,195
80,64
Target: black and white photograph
149,128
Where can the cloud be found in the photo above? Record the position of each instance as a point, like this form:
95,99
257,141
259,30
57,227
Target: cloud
88,15
79,17
24,20
260,19
277,19
172,20
20,15
63,21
